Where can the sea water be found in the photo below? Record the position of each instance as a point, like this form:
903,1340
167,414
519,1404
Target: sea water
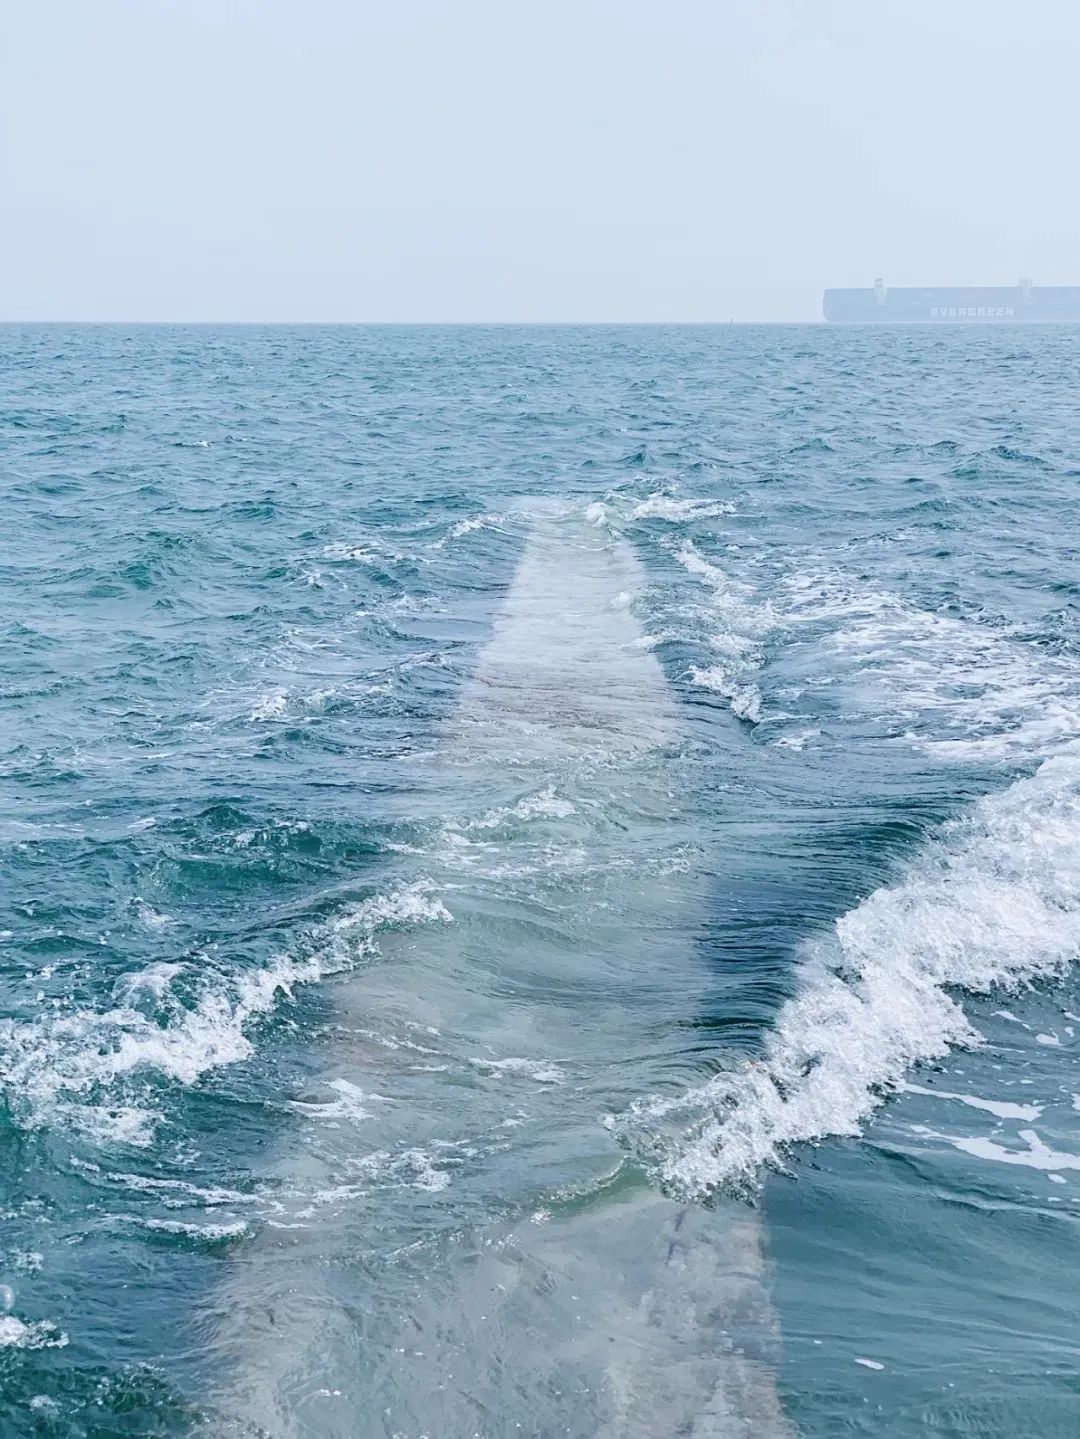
540,882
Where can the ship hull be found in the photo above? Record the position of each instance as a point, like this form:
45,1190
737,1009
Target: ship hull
987,305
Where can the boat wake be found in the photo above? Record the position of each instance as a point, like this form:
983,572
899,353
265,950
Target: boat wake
994,903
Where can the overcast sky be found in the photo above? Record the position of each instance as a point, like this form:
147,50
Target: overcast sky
527,159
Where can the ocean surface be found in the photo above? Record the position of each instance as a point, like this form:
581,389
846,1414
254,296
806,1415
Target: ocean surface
540,882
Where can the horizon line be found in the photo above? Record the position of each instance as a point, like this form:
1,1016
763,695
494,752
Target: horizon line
419,324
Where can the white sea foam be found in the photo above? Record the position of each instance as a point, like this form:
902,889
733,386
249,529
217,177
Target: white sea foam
68,1067
227,1229
1037,1155
408,1168
150,983
542,1070
103,1123
670,507
376,552
999,1108
461,528
744,695
151,917
422,1171
744,622
178,1193
398,1042
269,706
544,804
796,741
412,904
995,695
16,1334
994,903
466,527
350,1104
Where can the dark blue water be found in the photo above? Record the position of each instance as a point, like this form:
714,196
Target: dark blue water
539,884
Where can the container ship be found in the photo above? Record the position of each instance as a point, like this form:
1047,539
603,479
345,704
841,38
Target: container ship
1021,304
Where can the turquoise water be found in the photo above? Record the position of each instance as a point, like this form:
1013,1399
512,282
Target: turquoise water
540,880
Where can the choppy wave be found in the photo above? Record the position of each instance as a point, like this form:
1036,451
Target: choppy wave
738,625
461,528
670,507
994,904
186,1229
74,1068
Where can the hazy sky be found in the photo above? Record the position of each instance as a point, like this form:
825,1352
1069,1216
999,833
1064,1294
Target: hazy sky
527,159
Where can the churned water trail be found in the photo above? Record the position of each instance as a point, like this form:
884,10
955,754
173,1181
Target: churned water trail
537,882
567,725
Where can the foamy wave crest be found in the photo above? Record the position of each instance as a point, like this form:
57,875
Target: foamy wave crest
184,1229
738,645
544,804
542,1070
669,507
373,551
350,1103
73,1068
269,706
461,528
995,903
16,1334
743,694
